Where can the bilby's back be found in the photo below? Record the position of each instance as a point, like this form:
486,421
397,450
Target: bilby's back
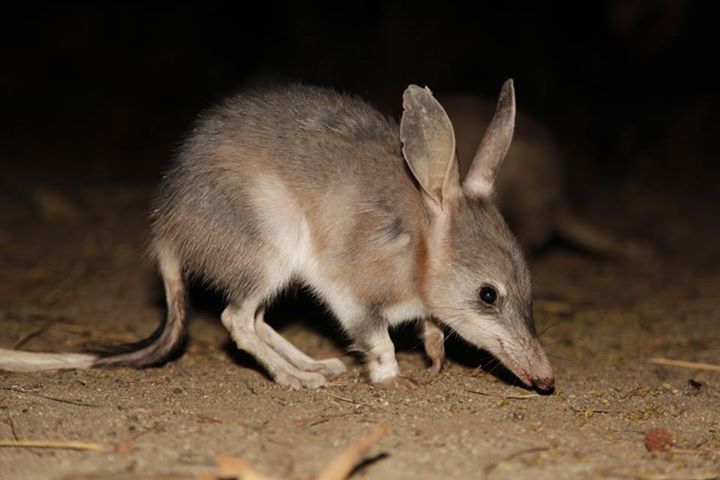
295,176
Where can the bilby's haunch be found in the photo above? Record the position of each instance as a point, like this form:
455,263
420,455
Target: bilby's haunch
298,184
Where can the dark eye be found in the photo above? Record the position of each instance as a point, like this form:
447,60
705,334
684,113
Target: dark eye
488,295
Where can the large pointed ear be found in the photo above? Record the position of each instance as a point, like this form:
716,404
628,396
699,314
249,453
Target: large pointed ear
495,143
429,144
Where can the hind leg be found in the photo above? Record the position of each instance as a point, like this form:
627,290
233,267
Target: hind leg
299,359
240,320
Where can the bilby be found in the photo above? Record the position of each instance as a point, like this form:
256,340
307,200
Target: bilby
304,184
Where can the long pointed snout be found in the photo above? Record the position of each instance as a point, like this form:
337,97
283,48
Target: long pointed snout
540,371
534,370
519,350
543,376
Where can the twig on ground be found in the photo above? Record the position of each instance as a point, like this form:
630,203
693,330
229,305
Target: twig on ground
636,472
234,467
9,421
66,444
684,364
251,388
319,422
681,476
349,400
675,476
520,396
341,466
595,410
79,403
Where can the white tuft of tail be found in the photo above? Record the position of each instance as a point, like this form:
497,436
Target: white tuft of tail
19,361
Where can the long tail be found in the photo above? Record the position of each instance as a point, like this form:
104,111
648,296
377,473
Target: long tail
147,352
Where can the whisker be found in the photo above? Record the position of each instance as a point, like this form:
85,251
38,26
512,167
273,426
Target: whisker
564,359
554,324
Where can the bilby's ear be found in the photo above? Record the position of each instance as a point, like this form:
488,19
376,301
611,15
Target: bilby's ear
478,183
429,145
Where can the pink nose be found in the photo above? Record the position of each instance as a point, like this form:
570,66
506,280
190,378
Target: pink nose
544,383
543,376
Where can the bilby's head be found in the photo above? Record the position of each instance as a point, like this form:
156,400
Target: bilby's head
477,280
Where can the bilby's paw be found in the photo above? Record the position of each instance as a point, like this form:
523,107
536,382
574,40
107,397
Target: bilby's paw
299,380
330,366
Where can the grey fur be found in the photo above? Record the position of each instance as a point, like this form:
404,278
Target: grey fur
494,145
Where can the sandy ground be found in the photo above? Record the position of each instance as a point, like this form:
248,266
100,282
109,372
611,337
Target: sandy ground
72,273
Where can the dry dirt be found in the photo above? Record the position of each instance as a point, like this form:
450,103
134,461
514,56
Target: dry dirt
72,273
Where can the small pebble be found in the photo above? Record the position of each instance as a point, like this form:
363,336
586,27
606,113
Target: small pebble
657,439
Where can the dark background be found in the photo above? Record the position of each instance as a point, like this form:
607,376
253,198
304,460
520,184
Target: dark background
103,93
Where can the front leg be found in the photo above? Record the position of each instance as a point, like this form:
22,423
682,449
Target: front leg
382,365
368,330
434,342
380,354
